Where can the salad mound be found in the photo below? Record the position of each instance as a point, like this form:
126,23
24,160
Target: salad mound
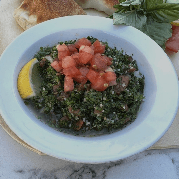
88,86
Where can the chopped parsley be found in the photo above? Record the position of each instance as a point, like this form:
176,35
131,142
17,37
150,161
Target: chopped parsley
108,110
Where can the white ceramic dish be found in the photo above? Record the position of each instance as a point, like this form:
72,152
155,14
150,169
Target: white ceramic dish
155,117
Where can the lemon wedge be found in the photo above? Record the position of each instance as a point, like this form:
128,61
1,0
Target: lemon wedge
28,82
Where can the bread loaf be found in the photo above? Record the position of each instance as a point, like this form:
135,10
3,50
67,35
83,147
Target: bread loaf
100,5
32,12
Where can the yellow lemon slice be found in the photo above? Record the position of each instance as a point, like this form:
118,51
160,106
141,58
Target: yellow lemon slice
28,81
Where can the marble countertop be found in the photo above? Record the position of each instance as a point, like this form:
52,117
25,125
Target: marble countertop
18,162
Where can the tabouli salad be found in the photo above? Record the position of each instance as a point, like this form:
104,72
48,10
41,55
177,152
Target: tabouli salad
88,86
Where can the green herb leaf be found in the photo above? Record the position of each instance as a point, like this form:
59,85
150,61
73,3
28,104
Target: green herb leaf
150,4
159,32
121,8
165,12
134,18
153,17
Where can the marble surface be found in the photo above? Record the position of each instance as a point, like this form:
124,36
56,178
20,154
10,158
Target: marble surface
17,162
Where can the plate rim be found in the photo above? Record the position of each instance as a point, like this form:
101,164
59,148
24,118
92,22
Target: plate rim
84,160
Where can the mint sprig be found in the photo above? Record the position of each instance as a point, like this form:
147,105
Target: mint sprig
165,12
131,18
153,17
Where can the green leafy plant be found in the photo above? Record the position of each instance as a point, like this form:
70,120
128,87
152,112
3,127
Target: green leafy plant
153,17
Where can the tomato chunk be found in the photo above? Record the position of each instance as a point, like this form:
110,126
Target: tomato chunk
92,76
86,49
172,44
72,48
84,70
62,51
68,84
71,71
99,47
85,57
107,59
82,41
60,64
56,66
75,56
100,84
80,79
98,62
62,48
68,61
83,61
109,76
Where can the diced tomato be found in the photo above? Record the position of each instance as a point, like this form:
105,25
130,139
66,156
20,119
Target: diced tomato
100,84
92,47
71,71
174,27
60,64
85,57
63,54
68,61
101,73
175,30
84,70
75,56
107,59
86,49
82,41
98,62
56,66
92,75
88,64
62,51
62,47
109,76
99,47
68,84
80,79
172,44
72,48
96,43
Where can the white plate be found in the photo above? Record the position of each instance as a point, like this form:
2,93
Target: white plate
157,113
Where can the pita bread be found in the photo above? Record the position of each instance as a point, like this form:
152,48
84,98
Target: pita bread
100,5
9,29
32,12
